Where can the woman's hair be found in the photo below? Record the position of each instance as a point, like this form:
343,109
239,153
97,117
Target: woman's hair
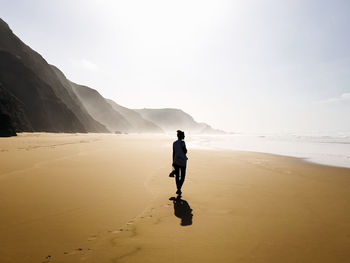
180,134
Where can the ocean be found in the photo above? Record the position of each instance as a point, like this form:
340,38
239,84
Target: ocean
331,150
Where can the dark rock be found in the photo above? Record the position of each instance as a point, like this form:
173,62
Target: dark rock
11,106
6,128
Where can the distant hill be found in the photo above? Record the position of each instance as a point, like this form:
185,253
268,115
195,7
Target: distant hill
139,124
171,120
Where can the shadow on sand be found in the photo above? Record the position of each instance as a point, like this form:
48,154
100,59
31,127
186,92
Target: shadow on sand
182,210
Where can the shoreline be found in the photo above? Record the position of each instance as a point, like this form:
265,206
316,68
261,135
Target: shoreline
105,198
193,144
334,154
303,159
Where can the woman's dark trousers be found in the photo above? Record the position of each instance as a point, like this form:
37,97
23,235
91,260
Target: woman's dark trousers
180,173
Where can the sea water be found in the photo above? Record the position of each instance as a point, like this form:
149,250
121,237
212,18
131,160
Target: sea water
331,150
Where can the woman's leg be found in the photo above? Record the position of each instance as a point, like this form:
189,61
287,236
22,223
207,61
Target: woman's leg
183,174
177,176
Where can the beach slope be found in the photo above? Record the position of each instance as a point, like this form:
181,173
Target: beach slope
108,198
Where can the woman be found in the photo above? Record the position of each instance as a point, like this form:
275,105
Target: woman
179,160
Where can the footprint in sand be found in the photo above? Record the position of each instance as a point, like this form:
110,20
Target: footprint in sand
77,250
47,259
117,231
92,238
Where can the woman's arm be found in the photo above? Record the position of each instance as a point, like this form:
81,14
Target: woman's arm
184,148
173,153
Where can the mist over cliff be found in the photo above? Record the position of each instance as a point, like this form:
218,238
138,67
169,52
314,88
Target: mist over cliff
171,120
37,97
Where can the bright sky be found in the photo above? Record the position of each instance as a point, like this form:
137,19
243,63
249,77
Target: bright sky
244,65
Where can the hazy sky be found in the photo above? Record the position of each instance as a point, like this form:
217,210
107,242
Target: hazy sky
237,65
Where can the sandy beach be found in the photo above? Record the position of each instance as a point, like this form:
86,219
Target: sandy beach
108,198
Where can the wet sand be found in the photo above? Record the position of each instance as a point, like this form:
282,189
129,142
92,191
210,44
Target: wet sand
105,198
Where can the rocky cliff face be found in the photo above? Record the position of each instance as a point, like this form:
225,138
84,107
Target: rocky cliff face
45,102
43,109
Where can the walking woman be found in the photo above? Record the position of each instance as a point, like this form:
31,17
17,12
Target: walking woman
179,160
